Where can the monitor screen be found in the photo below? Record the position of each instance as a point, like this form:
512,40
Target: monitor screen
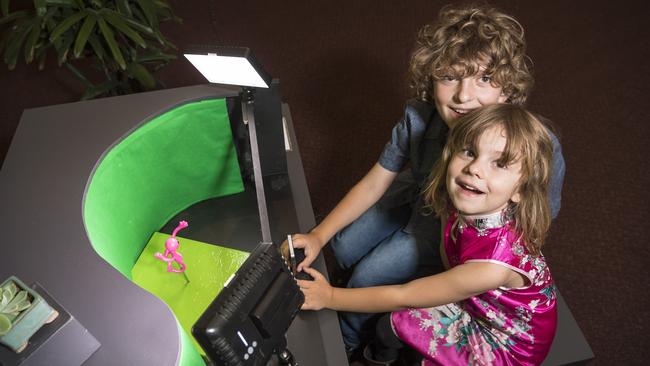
247,321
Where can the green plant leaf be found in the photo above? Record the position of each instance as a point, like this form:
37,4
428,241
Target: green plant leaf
115,20
142,75
112,44
149,12
161,39
19,32
162,4
165,11
97,47
62,46
6,297
95,91
139,26
67,23
5,324
13,16
30,44
14,300
19,303
84,32
79,75
41,55
12,289
4,7
49,22
154,56
47,18
68,3
124,7
41,7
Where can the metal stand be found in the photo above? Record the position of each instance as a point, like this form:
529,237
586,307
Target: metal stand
248,115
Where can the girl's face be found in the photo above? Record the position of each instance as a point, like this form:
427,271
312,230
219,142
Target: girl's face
478,184
456,96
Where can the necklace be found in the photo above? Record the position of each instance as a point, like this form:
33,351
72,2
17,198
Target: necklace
483,223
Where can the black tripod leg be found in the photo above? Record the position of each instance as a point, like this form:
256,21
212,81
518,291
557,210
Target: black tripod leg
286,358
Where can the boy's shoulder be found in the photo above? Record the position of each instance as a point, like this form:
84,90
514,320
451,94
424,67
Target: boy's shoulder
421,107
419,110
551,128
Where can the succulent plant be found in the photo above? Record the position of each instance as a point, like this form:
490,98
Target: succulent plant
12,302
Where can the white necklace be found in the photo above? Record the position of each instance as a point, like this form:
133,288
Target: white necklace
483,223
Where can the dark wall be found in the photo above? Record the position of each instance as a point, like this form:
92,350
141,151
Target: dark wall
342,66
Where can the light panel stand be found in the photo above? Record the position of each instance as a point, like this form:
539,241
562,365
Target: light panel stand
248,115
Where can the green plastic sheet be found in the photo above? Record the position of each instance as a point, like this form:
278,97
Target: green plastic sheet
208,269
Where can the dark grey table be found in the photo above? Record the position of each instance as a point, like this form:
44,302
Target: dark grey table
42,184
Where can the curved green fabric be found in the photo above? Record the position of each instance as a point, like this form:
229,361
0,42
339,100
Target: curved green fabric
179,158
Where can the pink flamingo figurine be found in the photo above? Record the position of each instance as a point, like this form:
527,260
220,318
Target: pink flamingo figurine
171,247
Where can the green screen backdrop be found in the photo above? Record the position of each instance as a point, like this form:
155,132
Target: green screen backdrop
181,157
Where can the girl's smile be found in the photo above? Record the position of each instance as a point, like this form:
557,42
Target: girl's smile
469,189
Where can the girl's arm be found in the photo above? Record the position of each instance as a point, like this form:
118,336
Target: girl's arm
363,195
456,284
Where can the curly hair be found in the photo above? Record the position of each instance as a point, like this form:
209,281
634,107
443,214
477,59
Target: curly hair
466,38
528,142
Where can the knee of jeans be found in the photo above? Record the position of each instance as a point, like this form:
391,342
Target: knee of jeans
357,283
335,242
370,273
360,280
341,252
345,261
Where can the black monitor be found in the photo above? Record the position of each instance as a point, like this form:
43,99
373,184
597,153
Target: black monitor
247,322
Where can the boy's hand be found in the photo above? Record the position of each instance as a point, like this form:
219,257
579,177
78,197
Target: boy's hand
318,293
312,246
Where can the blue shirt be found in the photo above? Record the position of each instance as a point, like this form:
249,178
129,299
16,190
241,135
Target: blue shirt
419,137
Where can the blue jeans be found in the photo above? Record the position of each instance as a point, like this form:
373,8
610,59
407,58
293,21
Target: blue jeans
380,252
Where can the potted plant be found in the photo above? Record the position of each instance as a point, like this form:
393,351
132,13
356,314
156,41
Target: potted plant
120,39
22,312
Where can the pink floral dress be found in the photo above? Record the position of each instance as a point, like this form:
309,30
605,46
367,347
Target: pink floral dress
499,327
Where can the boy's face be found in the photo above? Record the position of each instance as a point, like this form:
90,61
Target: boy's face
456,96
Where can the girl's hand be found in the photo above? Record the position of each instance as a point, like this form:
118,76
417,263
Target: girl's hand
312,246
318,293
